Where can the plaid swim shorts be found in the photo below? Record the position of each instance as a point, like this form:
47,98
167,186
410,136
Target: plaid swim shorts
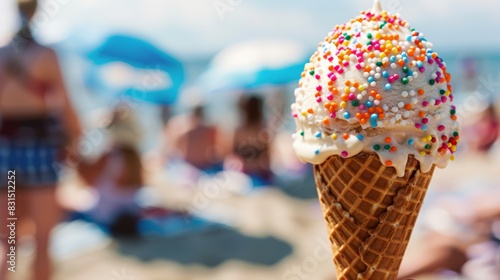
32,149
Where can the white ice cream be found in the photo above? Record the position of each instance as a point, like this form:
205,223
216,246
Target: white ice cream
376,85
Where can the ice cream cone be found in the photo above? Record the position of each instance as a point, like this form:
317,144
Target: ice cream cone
374,114
370,212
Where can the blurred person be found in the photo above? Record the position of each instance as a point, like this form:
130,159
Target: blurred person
252,141
37,124
470,248
485,129
200,144
192,148
124,206
116,177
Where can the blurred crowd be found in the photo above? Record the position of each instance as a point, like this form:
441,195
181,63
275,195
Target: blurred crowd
38,126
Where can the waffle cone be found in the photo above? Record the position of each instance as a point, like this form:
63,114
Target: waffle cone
370,212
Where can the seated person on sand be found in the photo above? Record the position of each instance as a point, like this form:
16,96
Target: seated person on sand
116,177
198,144
252,141
471,248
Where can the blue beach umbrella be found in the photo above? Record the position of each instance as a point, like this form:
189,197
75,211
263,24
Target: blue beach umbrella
134,67
253,64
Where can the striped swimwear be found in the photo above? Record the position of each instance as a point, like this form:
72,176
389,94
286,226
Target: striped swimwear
31,148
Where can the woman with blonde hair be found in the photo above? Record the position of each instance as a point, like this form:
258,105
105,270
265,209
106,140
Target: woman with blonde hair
37,124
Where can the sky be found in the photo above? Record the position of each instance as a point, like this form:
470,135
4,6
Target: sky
200,28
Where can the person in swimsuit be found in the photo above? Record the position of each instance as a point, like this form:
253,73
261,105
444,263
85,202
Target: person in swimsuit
252,140
200,145
37,125
465,245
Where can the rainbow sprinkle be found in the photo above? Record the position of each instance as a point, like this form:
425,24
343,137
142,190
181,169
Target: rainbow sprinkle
386,63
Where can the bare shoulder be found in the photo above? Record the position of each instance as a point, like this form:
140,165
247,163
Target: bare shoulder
48,54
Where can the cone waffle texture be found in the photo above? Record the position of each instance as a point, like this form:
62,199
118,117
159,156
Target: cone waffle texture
370,212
